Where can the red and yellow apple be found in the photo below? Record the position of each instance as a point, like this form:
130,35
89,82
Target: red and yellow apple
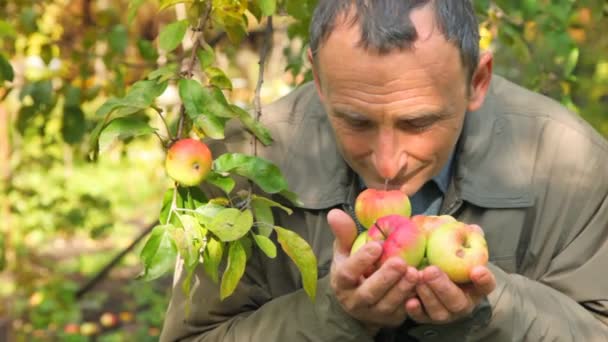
188,162
428,223
456,248
401,237
372,204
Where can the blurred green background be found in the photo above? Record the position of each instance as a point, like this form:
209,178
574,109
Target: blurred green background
64,217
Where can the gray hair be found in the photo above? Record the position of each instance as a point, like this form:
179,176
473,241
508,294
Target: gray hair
386,25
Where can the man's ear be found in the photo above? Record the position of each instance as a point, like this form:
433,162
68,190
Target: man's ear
315,73
480,82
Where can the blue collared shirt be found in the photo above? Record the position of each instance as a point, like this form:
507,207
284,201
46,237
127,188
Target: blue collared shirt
428,199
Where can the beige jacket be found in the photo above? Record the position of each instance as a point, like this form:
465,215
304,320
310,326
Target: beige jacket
533,175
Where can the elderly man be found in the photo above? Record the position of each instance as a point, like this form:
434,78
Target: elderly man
402,98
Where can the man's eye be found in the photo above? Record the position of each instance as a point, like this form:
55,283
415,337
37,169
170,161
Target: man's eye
354,123
417,125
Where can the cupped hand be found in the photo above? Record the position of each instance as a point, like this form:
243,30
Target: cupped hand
377,300
441,301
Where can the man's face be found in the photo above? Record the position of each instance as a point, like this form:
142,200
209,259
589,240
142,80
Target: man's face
397,116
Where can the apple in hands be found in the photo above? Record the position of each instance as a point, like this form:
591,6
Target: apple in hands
456,248
372,204
399,236
402,238
188,162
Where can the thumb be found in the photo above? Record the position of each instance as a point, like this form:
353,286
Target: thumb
344,228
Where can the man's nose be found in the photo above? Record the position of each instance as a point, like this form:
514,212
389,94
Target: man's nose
389,157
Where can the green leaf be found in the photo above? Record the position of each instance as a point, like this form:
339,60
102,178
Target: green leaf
268,7
571,62
218,78
146,50
164,4
206,56
189,240
212,257
6,70
122,128
164,73
196,197
255,127
263,215
212,126
271,203
118,39
159,253
302,255
266,245
207,212
231,224
262,172
226,183
200,100
172,35
237,260
292,197
73,125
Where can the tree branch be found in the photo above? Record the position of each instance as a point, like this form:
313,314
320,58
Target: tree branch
257,101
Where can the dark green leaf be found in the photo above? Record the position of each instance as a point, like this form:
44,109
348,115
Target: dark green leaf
121,128
159,253
6,70
172,35
266,245
262,172
226,183
302,255
200,100
147,50
212,257
74,125
252,125
231,224
206,56
118,39
292,197
263,216
237,260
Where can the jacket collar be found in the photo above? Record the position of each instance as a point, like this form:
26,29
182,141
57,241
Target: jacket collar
486,167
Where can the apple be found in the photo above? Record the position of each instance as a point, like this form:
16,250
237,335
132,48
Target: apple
89,328
428,223
359,242
371,204
402,238
188,162
71,328
108,319
456,248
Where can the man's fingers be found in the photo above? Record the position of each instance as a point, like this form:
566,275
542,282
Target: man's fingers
350,269
415,311
448,293
344,229
374,288
483,279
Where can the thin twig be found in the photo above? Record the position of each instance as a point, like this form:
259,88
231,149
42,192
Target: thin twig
198,42
257,101
160,113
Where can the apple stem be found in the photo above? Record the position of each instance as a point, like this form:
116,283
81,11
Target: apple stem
381,231
385,184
